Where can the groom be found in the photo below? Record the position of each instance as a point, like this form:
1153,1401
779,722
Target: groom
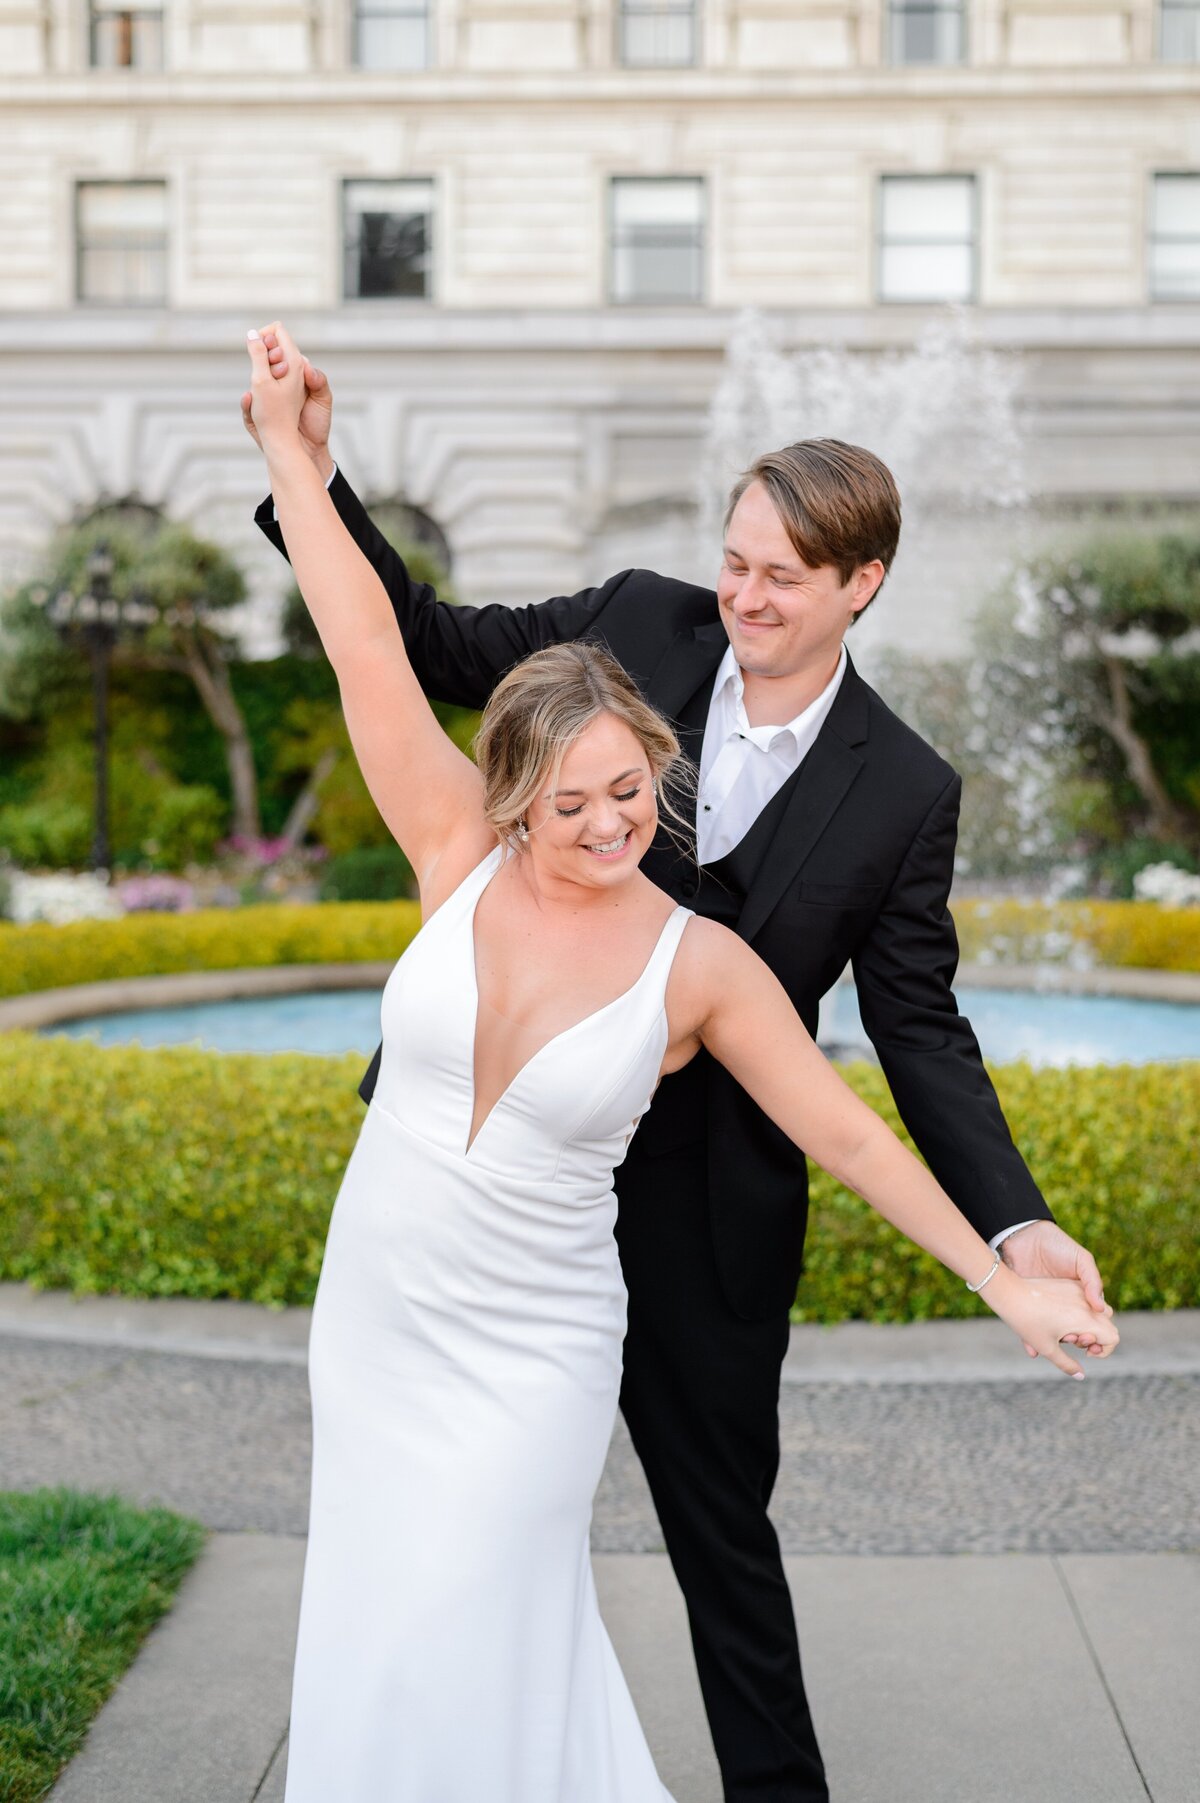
825,835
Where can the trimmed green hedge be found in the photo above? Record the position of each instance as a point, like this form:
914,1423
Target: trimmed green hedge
145,945
180,1172
1134,935
1139,934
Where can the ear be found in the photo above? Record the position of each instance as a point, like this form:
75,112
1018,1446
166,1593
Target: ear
865,583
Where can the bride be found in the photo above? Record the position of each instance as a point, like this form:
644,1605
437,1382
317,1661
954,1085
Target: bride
465,1354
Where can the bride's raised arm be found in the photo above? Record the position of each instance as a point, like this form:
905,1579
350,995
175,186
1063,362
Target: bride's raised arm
745,1019
428,792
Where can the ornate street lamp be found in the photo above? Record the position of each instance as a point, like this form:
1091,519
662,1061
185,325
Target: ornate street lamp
96,620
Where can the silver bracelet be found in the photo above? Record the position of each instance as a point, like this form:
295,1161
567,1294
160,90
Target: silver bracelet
976,1287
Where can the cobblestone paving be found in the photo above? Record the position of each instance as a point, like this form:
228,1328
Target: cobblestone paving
1110,1466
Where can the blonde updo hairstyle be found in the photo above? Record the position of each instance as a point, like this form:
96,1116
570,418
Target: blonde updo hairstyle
538,710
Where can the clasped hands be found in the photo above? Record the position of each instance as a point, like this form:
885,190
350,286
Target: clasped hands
287,389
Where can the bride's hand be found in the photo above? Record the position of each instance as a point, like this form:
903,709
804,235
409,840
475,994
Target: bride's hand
1044,1311
276,401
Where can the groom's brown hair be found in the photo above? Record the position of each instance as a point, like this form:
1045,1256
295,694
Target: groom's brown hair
838,503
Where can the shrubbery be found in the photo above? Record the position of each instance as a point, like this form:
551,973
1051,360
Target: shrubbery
1137,934
140,945
1134,935
179,1172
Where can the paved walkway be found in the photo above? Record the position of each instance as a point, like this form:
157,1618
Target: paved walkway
995,1571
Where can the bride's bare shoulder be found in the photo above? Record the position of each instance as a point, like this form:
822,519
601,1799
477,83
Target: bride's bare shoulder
709,959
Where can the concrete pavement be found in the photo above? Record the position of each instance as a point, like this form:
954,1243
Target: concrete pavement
983,1609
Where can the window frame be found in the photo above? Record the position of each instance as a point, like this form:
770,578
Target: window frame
1154,237
428,182
382,9
882,243
104,181
893,8
96,12
699,182
624,9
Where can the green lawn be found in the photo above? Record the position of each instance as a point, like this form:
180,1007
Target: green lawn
82,1580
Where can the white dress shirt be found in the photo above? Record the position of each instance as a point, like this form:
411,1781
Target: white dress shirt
742,767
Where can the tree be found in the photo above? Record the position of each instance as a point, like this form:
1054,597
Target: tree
1088,675
179,587
318,743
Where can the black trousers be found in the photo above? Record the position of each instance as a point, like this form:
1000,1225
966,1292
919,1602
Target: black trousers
701,1399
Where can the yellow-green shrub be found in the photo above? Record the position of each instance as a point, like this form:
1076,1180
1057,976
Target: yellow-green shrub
142,945
179,1172
1139,935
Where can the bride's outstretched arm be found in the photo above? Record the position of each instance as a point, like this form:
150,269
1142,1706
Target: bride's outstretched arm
746,1020
427,791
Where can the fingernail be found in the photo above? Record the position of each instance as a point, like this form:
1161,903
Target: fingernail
1079,1374
252,333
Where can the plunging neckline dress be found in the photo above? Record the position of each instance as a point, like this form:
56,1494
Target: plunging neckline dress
464,1367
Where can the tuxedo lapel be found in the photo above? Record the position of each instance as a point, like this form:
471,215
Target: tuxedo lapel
690,660
821,782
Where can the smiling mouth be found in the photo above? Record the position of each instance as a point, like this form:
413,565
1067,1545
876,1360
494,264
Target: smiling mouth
610,849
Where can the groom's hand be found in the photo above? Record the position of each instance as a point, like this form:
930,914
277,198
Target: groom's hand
316,415
1043,1250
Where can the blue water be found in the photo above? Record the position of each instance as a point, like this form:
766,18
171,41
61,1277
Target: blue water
1047,1029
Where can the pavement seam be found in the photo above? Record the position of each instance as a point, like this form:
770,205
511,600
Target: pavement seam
270,1765
1064,1581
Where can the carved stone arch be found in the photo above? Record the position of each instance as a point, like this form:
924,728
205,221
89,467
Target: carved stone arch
402,521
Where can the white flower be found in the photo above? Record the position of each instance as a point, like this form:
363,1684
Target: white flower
61,898
1166,884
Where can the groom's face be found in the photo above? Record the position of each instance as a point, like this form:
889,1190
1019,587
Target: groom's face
782,615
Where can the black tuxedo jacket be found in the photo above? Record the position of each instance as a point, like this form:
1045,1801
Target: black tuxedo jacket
858,870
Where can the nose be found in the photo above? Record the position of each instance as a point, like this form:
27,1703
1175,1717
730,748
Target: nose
604,821
749,596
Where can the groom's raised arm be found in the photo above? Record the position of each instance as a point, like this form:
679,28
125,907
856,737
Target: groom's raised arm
458,653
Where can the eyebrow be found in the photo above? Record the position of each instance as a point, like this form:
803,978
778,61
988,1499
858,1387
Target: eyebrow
794,569
636,770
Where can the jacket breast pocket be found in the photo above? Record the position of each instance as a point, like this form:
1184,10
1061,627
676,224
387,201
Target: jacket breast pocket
840,895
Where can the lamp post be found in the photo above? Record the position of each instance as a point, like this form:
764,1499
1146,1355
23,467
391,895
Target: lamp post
95,619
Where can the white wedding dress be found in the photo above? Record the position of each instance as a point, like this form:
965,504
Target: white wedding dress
464,1364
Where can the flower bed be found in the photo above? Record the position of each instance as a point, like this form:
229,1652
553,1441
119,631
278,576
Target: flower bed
179,1172
1132,935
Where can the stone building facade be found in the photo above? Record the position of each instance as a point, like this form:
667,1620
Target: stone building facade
518,233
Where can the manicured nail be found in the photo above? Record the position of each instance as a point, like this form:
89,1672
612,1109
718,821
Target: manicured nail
1079,1374
252,333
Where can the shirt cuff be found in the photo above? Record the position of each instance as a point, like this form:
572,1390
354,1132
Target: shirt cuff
329,484
997,1239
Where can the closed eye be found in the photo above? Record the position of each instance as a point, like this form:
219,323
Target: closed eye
629,795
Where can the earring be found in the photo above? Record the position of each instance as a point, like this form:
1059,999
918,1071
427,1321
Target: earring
522,832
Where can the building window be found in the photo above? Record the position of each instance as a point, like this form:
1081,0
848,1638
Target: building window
126,37
927,238
121,243
1175,238
926,31
388,238
658,240
656,34
1179,31
391,34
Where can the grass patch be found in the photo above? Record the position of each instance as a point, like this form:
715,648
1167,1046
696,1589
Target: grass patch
82,1580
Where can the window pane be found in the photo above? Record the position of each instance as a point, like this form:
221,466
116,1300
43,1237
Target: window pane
926,272
657,203
934,207
387,227
391,38
658,36
1175,271
927,34
1177,204
121,207
1179,38
125,37
657,268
